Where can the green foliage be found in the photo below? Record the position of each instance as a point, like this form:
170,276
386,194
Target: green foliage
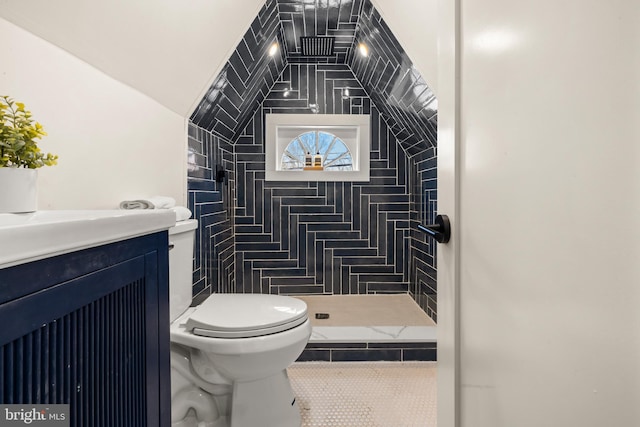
18,134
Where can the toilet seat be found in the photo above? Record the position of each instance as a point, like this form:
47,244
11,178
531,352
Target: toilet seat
246,315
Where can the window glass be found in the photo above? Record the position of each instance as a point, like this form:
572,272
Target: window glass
317,147
317,150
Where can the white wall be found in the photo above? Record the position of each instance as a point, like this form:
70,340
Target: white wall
415,25
114,142
112,85
547,127
170,50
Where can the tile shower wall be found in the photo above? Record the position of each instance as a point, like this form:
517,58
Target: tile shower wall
423,266
410,107
259,236
394,84
338,20
321,237
212,205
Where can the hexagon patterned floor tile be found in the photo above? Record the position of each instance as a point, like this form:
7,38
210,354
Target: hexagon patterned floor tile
372,394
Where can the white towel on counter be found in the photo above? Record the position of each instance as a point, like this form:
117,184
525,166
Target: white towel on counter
156,202
182,213
136,204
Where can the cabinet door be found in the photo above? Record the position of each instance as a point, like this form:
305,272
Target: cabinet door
94,342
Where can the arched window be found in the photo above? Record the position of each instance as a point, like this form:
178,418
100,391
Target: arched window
316,150
317,147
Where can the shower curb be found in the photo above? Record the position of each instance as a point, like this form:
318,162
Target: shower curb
371,343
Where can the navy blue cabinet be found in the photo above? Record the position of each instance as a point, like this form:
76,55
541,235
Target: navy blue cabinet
90,329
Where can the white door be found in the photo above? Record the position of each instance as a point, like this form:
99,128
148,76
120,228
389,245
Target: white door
539,170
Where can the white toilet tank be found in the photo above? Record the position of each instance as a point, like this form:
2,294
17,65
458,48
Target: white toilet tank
181,240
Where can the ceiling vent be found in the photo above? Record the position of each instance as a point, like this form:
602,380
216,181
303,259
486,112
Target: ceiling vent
317,46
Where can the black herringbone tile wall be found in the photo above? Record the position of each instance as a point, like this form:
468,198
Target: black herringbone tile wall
311,237
410,107
212,205
322,237
309,19
423,250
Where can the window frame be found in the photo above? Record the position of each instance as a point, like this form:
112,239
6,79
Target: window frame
359,146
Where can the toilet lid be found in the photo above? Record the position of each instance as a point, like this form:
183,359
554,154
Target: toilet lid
246,315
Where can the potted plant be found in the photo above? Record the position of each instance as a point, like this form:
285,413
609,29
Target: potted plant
20,157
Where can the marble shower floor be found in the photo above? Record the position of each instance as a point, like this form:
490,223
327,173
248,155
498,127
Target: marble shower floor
368,318
365,394
366,310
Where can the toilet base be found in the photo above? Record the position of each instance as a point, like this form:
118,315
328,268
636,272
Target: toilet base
192,421
267,402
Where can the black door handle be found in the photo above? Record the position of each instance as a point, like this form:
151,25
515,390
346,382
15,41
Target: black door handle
441,230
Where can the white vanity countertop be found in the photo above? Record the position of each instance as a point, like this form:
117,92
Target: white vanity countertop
41,234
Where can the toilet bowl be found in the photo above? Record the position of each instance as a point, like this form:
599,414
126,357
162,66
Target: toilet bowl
229,355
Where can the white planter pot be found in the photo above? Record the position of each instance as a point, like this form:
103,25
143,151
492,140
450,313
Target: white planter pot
18,190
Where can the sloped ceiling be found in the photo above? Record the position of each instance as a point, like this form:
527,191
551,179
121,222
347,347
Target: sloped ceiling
246,78
415,24
386,73
169,50
172,51
394,84
330,18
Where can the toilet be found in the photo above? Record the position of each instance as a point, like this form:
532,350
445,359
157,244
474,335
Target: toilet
229,355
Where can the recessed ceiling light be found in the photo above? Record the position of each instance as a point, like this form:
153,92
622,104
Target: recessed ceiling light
273,49
364,50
